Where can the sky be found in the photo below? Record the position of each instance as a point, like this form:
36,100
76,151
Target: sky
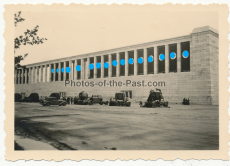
80,32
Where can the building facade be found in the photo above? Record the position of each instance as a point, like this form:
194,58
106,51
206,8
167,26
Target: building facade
182,67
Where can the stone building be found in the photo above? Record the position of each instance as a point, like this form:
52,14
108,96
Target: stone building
182,67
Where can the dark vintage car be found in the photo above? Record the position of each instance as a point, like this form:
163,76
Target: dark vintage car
33,97
17,97
53,99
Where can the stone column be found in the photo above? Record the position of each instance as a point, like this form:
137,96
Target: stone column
59,73
45,73
22,76
50,72
15,76
71,70
166,59
29,75
74,69
145,61
19,76
64,74
41,74
87,68
126,63
26,73
118,65
178,57
82,69
54,77
110,65
135,62
38,74
155,60
95,68
33,75
102,66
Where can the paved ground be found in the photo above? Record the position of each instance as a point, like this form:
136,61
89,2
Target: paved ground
96,127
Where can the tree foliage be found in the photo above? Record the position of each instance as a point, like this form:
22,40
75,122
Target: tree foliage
29,37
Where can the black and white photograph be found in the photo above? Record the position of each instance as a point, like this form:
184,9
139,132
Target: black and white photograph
127,78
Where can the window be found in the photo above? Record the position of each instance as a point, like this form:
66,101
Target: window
56,73
173,58
79,72
131,66
185,56
91,61
150,60
27,76
140,62
113,67
106,70
161,59
99,70
52,73
122,65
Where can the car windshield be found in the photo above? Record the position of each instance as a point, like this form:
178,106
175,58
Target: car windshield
53,95
119,96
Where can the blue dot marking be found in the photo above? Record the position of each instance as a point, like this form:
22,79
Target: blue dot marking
140,60
130,61
52,70
91,66
122,62
98,65
106,65
150,59
162,57
185,54
172,55
62,70
57,70
114,63
68,69
78,68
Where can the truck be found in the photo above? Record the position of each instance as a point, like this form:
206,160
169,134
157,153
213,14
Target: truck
120,99
155,99
83,99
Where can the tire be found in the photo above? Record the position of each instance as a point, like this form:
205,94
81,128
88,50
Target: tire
128,104
64,104
47,104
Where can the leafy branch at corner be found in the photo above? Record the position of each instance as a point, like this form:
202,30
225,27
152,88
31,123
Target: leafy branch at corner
29,37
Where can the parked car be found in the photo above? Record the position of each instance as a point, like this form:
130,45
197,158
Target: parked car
96,98
17,97
53,99
33,97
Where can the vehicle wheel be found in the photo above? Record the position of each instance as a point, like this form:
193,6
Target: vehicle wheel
47,104
117,103
128,104
64,104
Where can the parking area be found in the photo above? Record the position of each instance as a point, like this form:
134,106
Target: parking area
96,127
